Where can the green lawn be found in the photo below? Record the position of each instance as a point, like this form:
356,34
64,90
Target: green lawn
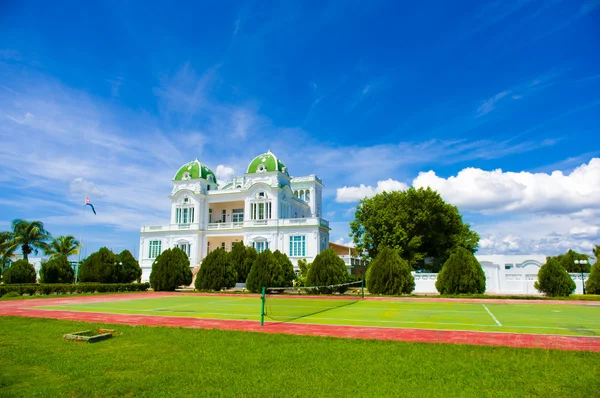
152,361
521,317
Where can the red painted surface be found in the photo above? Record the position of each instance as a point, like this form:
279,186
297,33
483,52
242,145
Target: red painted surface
27,308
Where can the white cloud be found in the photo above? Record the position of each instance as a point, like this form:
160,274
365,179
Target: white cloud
83,186
224,174
497,191
489,105
344,242
354,194
585,232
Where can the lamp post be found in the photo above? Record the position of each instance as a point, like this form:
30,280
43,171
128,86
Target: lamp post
581,262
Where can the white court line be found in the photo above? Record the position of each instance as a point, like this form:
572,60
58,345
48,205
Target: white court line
492,315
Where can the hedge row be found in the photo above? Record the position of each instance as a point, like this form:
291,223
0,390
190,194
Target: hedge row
58,288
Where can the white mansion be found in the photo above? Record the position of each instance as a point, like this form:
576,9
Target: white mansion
265,208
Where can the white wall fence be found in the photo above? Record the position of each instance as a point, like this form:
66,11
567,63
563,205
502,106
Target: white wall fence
517,281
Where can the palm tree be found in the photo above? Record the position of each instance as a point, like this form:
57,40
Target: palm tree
596,252
63,245
5,255
30,236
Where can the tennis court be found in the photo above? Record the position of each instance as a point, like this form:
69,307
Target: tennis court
557,319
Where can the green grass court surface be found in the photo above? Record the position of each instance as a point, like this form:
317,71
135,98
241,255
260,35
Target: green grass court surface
524,317
177,362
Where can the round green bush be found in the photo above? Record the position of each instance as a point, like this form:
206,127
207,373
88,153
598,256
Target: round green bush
389,274
242,257
461,274
261,272
57,270
20,272
170,270
553,279
283,274
129,269
100,266
216,272
327,269
592,285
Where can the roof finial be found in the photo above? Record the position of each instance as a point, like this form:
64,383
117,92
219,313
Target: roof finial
269,150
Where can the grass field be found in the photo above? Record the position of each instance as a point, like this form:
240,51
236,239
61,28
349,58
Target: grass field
152,361
521,318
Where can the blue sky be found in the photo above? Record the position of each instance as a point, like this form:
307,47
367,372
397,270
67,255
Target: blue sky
496,105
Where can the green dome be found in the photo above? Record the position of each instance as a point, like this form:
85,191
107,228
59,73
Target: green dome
265,163
194,170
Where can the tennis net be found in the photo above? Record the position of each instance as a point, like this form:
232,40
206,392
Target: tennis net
279,304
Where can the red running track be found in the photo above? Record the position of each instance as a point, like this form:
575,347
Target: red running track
26,308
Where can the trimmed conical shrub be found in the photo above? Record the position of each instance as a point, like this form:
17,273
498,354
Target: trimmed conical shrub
327,269
260,273
283,273
57,270
389,274
216,272
553,279
19,272
170,270
461,274
592,285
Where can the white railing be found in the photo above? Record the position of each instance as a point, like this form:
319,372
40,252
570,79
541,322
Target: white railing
283,222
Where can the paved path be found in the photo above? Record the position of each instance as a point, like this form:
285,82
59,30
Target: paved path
27,308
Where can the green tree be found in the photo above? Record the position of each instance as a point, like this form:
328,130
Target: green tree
129,269
283,273
327,269
63,246
30,236
303,267
100,266
242,257
389,274
592,285
567,260
261,272
57,270
170,270
20,272
417,223
553,279
5,254
216,272
461,274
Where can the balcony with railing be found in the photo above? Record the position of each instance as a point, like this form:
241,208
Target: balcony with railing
283,222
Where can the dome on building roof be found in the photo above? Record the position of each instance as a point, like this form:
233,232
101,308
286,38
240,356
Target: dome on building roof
194,170
265,163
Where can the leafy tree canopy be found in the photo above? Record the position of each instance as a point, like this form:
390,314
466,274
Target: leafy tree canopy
242,257
63,246
389,274
129,269
30,236
100,266
283,273
216,272
416,222
20,272
553,279
592,285
327,269
170,270
57,270
261,272
461,274
567,261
